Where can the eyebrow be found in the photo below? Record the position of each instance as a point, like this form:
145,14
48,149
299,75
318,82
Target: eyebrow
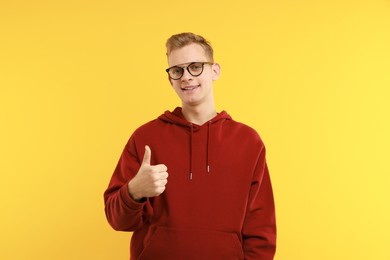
182,64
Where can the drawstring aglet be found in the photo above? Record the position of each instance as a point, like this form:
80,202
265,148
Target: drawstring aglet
190,176
208,168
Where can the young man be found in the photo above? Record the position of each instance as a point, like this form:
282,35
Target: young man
218,203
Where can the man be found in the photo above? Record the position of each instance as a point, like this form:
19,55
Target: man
218,203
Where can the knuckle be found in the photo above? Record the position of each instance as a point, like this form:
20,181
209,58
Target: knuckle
155,177
152,170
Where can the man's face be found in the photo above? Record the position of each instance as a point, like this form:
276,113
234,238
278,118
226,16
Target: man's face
193,90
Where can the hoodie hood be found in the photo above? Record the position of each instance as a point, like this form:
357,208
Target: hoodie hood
176,117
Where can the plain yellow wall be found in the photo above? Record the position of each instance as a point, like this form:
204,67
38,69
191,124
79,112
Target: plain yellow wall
77,77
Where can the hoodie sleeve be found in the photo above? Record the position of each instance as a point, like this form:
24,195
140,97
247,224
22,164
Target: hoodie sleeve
122,212
259,230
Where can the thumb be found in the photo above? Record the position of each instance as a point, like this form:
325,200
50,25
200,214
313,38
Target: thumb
147,155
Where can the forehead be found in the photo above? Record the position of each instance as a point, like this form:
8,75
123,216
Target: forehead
187,54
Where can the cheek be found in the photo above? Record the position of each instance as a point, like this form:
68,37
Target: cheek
175,85
208,76
207,79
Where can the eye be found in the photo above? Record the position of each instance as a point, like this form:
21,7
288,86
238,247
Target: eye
176,70
196,66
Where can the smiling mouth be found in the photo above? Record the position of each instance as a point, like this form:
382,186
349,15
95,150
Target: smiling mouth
190,87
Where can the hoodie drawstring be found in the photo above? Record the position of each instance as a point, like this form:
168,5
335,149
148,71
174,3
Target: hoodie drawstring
208,147
192,132
177,119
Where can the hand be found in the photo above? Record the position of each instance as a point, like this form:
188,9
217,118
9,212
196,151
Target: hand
150,180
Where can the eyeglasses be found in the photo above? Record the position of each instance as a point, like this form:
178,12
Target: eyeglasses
194,68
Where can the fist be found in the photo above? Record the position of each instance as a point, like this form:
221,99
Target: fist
150,180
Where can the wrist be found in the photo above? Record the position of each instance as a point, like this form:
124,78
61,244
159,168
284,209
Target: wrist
133,194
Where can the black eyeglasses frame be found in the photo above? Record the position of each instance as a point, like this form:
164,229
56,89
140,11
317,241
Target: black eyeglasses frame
186,67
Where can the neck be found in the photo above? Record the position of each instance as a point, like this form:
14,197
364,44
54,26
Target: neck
198,114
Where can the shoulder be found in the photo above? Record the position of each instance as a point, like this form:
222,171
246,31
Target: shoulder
145,133
242,128
149,127
241,134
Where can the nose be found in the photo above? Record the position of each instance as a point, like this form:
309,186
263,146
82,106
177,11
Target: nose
186,76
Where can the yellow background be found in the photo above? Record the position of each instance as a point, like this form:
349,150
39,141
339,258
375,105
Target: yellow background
77,77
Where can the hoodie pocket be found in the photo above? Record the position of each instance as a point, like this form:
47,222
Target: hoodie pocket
173,243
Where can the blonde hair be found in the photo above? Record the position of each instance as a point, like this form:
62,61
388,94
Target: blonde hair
180,40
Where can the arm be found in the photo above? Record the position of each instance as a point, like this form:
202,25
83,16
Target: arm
259,230
122,211
132,183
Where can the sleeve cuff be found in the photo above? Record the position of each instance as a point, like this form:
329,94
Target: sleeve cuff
129,201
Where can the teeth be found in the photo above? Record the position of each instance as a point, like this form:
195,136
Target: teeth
190,88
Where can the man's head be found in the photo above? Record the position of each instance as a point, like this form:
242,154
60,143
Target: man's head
192,69
180,40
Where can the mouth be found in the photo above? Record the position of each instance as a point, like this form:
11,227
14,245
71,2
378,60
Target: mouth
188,88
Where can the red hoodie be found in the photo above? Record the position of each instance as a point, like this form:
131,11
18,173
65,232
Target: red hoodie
218,202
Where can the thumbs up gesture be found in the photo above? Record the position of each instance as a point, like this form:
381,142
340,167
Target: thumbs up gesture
150,180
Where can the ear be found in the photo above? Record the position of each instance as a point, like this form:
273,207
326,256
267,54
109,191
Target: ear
216,71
